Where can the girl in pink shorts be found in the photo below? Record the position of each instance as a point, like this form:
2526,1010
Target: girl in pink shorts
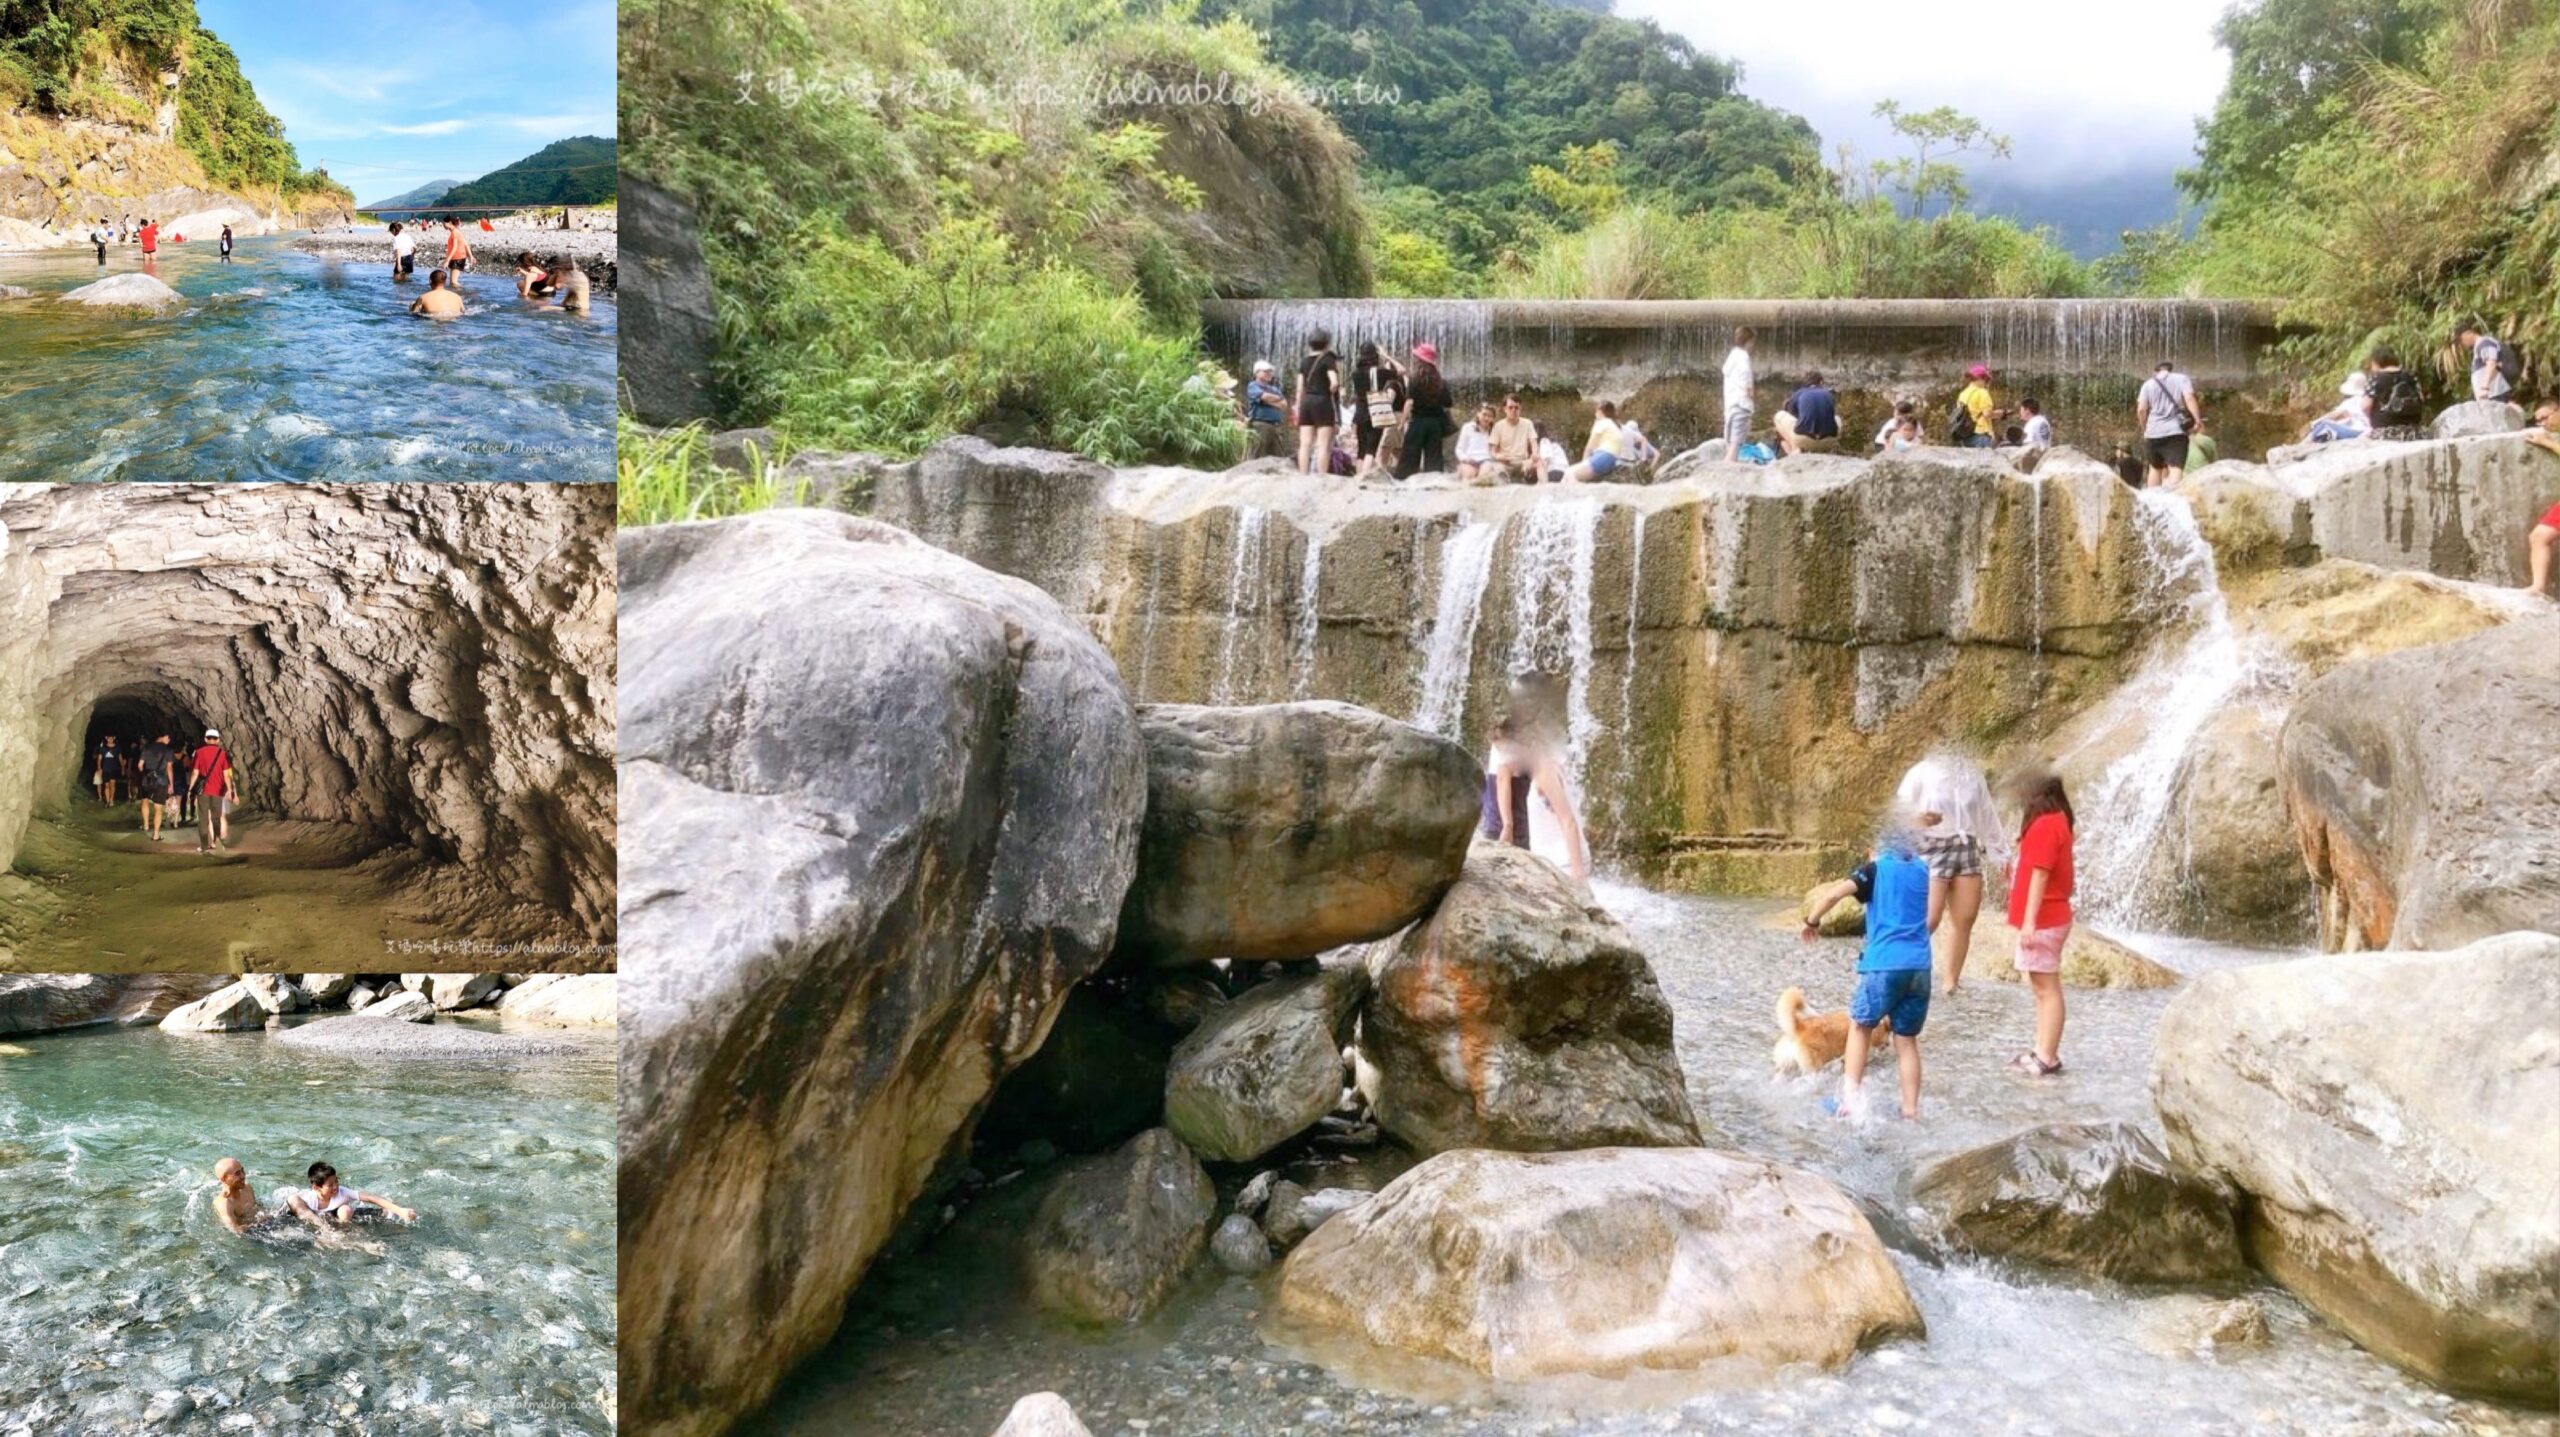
2040,910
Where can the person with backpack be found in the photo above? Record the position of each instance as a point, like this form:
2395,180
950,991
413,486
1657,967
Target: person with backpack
1969,426
211,775
2399,408
1426,415
1318,403
2167,410
1377,408
2493,365
156,780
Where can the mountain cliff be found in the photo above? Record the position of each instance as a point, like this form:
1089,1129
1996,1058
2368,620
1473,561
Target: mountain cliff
131,107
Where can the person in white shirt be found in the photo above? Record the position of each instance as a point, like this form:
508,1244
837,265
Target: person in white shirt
1959,830
2352,419
1475,445
329,1202
2488,376
404,253
1552,458
2038,429
1737,391
1903,410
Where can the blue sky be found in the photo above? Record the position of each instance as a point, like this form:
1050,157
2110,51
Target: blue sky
394,96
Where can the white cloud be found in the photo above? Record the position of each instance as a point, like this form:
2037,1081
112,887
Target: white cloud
2083,90
558,126
431,127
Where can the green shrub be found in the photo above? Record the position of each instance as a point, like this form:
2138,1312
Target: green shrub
666,476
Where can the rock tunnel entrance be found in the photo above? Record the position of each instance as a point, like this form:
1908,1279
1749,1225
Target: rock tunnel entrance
414,682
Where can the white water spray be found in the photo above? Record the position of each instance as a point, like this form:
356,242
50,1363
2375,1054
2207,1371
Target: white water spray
1551,616
1244,595
1448,659
1310,575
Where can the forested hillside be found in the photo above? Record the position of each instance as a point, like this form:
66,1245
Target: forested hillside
577,171
104,60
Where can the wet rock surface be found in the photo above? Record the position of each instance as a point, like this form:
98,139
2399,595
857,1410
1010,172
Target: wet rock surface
867,863
2374,1109
2100,1198
1289,829
1265,1067
1520,1016
672,327
52,1002
1115,1233
2408,778
230,1009
1606,1262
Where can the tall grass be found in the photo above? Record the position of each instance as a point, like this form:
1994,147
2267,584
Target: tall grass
666,477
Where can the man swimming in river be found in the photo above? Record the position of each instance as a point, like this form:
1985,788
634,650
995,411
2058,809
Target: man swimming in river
441,301
329,1204
571,282
234,1201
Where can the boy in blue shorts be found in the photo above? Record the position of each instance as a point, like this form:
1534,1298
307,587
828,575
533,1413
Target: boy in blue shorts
1893,972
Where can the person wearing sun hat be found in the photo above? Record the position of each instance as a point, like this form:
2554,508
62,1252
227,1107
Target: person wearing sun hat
1975,401
211,774
2352,419
1426,410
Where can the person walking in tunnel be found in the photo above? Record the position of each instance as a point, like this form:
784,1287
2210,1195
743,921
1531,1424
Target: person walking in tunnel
106,770
158,779
210,776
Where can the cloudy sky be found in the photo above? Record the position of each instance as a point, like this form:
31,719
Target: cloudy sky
393,96
2087,91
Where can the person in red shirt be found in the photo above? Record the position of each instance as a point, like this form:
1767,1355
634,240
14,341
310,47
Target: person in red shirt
2544,434
2040,909
211,774
150,239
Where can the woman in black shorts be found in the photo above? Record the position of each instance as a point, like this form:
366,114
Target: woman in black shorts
1319,403
1426,415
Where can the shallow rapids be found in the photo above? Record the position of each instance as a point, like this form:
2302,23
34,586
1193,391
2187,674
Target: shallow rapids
940,1343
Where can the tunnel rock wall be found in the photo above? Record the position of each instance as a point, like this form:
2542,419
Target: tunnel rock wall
1751,657
431,664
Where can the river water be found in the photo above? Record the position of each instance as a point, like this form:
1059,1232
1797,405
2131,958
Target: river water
494,1313
941,1342
284,365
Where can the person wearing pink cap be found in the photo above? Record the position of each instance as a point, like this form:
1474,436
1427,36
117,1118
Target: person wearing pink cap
1426,414
1973,427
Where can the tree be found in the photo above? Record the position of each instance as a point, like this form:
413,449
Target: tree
2294,65
1936,137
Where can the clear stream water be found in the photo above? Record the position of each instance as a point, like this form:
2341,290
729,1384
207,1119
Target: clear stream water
941,1342
494,1313
284,365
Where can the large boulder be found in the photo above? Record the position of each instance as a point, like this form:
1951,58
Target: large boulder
404,1005
1115,1233
862,865
2390,1120
1286,830
1520,1016
668,314
2457,508
275,992
50,1002
1042,1414
2099,1197
2420,786
1263,1068
2229,867
570,1000
322,989
1611,1263
2478,416
451,992
127,291
230,1009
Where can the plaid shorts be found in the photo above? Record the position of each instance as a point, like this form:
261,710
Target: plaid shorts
1955,855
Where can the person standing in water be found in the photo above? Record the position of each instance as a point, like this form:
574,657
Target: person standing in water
570,283
226,244
1951,807
457,251
2040,911
157,780
98,238
404,253
150,237
212,779
1523,770
1903,913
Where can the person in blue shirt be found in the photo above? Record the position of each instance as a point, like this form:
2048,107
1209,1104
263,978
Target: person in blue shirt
1266,413
1809,422
1893,971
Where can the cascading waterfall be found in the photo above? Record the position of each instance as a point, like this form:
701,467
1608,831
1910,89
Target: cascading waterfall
1448,659
1551,616
1302,667
1244,596
2176,693
1626,775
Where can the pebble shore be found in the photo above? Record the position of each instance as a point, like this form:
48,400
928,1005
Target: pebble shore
492,251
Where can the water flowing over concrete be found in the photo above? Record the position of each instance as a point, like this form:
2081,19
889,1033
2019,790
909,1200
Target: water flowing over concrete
1610,348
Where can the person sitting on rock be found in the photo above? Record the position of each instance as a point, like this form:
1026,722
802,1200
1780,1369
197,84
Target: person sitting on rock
1475,446
1604,450
441,301
1893,970
2036,432
1515,443
2351,419
330,1202
1903,409
1809,422
234,1201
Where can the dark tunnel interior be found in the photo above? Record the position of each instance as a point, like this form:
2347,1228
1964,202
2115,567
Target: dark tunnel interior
136,718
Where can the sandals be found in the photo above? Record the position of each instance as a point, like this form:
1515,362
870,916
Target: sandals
2034,1067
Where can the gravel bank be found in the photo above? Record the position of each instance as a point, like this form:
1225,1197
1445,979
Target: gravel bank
492,251
356,1036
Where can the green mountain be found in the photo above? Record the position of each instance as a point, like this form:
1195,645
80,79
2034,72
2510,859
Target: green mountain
578,171
432,192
